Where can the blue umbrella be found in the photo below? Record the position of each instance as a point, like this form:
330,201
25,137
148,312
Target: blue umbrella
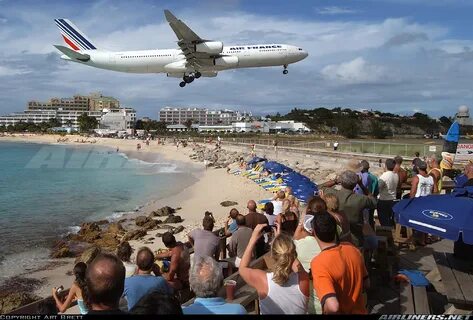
255,160
276,167
302,188
443,215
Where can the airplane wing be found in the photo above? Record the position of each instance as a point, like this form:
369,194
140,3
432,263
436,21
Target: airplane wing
187,42
73,54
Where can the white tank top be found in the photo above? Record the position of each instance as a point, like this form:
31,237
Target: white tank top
287,299
425,186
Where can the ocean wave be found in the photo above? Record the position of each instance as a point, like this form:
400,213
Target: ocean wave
117,215
72,230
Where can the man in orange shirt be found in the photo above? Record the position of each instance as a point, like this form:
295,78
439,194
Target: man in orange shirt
338,271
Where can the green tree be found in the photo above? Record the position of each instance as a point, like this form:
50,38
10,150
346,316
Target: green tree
54,122
87,123
188,124
377,130
445,121
348,127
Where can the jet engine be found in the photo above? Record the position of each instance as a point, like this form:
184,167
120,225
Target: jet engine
212,47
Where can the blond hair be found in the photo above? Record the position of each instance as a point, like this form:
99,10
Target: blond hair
283,252
332,202
293,200
286,205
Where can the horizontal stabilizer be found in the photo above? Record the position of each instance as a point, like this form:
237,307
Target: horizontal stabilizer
73,54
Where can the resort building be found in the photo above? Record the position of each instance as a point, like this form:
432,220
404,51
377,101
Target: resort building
106,110
201,116
118,119
93,102
245,127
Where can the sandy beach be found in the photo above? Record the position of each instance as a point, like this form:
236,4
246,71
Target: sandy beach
213,186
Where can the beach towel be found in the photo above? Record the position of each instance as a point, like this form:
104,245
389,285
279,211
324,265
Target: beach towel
416,278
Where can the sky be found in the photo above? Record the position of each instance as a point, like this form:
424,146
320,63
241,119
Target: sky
400,56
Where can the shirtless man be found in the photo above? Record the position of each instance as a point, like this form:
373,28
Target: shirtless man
178,274
402,175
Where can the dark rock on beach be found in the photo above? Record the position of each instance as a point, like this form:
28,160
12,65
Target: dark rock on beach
163,212
134,235
141,220
173,219
228,203
62,252
178,229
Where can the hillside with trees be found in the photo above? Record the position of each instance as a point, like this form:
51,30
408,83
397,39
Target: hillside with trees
352,123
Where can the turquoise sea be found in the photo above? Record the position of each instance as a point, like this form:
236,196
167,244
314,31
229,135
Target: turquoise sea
47,190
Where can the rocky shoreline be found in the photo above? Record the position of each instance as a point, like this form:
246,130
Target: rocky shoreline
107,235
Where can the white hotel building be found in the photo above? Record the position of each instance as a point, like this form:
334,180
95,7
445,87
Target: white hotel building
202,116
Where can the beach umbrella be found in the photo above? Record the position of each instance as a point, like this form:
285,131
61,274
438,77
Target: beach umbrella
276,167
255,160
302,187
443,215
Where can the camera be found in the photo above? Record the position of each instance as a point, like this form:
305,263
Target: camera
59,289
267,229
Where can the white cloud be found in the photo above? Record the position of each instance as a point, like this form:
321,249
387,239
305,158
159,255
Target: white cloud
333,10
356,71
349,62
9,71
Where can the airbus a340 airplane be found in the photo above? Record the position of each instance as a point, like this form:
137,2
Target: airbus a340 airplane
196,57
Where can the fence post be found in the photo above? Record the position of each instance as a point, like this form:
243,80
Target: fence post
405,151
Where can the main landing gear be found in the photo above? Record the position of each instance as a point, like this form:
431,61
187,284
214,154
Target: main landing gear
285,71
189,79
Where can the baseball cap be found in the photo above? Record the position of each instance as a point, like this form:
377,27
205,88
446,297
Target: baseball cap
422,165
308,223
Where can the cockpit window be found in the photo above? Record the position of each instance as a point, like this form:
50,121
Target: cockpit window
300,49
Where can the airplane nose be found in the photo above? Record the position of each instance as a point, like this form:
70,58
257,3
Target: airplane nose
305,54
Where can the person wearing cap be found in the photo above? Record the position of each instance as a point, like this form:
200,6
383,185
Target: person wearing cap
339,274
307,248
422,184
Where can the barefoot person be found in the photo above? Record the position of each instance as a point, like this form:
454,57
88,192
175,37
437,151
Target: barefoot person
76,292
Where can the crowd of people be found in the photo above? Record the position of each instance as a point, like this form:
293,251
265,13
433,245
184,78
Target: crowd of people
319,253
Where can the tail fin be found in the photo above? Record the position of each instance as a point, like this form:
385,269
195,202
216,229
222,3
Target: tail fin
73,36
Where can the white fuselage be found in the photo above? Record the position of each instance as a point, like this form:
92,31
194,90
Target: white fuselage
173,61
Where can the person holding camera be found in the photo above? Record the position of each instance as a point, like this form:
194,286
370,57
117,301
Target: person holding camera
286,289
76,292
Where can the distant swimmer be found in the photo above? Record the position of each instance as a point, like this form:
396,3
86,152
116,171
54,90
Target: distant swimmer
118,149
